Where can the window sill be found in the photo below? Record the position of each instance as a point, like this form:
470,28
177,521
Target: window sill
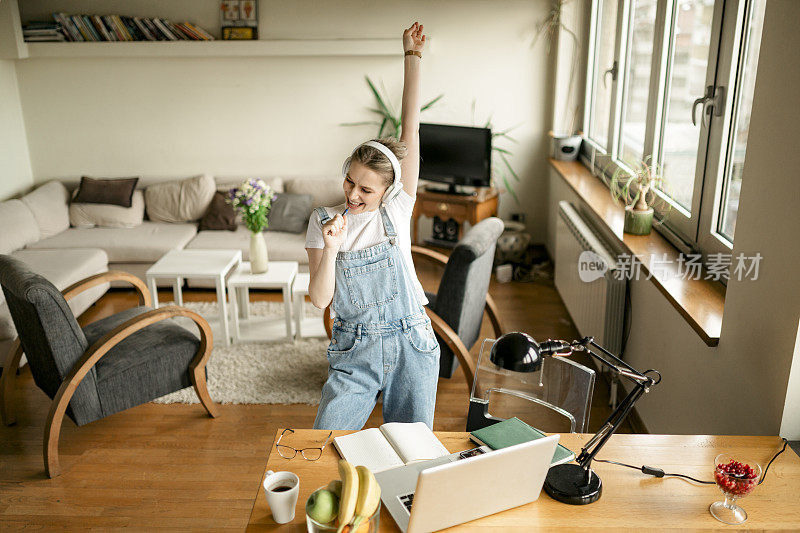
700,302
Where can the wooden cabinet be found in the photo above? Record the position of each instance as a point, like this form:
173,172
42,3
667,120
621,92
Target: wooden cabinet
462,209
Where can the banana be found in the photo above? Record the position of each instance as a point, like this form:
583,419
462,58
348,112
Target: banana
369,496
349,496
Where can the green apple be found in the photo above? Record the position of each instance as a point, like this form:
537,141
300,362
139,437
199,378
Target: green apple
323,506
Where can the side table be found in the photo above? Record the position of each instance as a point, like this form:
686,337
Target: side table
280,275
203,264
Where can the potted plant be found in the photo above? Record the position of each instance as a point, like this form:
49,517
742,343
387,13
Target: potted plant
389,118
253,200
566,138
636,187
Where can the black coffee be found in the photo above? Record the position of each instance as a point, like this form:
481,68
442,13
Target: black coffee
281,488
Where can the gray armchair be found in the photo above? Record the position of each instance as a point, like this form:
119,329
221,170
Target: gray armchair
456,310
112,364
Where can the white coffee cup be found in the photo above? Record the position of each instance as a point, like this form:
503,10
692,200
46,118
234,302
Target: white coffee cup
281,490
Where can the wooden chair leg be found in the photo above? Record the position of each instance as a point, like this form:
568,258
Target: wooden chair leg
7,382
198,377
52,432
197,368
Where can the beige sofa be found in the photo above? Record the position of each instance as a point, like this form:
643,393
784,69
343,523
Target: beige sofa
35,229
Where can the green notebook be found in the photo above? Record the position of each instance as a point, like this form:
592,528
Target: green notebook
515,431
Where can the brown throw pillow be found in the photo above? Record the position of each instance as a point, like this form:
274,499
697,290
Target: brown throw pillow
220,215
117,191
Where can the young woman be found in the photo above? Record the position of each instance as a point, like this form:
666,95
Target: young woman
360,261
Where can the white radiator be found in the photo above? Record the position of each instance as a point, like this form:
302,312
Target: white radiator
597,307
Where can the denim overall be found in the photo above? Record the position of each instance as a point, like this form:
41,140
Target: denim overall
382,341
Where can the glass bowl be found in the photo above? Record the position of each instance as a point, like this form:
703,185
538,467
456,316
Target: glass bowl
736,478
367,526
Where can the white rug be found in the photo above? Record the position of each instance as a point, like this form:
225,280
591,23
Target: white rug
277,372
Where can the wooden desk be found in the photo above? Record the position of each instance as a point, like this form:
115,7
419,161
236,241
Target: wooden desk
462,209
630,499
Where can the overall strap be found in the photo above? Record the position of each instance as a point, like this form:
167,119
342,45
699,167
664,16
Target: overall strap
323,215
388,227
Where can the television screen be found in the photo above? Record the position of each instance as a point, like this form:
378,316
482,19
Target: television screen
456,155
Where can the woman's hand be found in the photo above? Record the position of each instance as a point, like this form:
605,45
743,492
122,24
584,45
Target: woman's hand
413,38
334,232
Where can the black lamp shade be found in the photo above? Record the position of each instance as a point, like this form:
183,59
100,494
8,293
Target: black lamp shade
516,351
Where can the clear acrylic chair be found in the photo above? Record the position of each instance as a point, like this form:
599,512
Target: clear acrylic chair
556,398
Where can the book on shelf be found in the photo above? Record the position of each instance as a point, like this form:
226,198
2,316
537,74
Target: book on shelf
391,445
143,29
106,28
514,431
164,29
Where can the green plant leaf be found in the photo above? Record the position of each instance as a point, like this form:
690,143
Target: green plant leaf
378,98
501,150
503,157
369,123
432,102
510,189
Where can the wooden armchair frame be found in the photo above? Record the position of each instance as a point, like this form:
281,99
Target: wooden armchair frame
97,351
441,327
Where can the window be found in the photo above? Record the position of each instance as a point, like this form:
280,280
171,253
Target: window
683,99
603,72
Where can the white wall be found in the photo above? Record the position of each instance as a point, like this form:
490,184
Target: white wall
739,387
15,165
178,116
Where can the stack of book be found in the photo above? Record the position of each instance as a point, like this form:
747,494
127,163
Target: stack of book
122,28
42,32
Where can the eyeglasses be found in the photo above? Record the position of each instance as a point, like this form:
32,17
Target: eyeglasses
309,454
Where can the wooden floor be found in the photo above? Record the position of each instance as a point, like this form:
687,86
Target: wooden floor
170,466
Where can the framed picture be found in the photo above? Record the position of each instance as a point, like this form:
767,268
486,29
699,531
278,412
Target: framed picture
229,11
234,33
239,19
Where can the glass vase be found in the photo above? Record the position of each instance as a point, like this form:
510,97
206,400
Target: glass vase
258,253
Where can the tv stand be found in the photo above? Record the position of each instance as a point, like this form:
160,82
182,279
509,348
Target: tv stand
461,208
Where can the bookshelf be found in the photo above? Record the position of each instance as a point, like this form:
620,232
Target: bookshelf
13,46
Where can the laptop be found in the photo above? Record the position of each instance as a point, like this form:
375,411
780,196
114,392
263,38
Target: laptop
460,487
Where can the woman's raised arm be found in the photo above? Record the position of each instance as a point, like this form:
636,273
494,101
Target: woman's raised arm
413,40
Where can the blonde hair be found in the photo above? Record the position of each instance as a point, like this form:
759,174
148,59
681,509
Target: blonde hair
374,160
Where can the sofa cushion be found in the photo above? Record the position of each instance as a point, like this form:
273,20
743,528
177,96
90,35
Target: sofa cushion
289,212
19,226
142,244
62,268
220,214
48,204
281,246
179,201
108,215
114,191
324,191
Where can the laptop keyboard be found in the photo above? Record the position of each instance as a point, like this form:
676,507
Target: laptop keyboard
407,500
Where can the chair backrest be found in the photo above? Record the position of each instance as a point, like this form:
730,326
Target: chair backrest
49,334
465,281
557,398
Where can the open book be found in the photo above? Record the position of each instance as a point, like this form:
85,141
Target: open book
393,444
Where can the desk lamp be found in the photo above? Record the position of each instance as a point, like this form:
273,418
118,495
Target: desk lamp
573,483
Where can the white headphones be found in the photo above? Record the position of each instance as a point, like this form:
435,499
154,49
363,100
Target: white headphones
394,189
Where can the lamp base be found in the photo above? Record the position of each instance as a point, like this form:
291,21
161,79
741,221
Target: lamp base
567,483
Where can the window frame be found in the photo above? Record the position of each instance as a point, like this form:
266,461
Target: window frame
695,230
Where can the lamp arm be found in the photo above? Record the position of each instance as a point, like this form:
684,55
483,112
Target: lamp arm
612,423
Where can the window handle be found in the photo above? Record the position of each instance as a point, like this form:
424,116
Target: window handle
702,102
612,71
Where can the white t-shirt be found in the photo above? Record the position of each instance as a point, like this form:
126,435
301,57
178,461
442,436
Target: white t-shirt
366,229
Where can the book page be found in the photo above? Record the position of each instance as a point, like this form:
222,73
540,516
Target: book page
413,442
368,448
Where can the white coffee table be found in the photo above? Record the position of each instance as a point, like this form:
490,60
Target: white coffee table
196,264
280,275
